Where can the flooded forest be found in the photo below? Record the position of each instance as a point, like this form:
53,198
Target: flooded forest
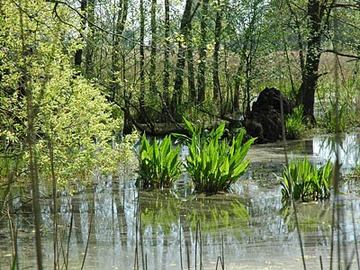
179,134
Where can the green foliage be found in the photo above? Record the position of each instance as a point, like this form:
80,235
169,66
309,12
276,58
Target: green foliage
295,126
71,115
329,119
77,121
213,165
303,180
348,103
159,163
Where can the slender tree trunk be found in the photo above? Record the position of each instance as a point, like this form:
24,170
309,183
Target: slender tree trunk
307,89
202,51
142,62
180,64
31,143
191,69
153,87
166,72
79,52
116,60
33,168
216,79
289,65
248,80
229,91
127,127
236,98
89,52
54,192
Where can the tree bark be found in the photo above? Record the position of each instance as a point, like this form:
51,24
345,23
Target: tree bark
216,80
79,52
89,52
202,51
166,72
117,53
24,87
191,69
237,83
180,64
142,62
306,96
153,87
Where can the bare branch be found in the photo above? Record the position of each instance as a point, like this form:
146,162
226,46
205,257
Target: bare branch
342,54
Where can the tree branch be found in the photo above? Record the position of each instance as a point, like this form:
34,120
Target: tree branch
347,5
342,54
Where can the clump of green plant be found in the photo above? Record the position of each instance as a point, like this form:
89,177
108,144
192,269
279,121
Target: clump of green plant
303,180
332,121
214,165
159,163
295,126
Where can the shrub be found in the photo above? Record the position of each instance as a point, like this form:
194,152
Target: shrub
159,163
214,165
295,126
303,180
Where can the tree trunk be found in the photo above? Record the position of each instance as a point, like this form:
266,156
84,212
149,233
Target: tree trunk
89,52
153,88
117,54
229,89
191,70
25,88
202,51
166,72
142,62
216,79
79,52
237,83
180,64
248,82
306,95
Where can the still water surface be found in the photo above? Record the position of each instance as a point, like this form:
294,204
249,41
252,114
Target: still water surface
251,226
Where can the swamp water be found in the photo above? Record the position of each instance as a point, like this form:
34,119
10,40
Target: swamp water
251,227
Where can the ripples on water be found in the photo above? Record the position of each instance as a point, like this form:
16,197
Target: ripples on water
258,231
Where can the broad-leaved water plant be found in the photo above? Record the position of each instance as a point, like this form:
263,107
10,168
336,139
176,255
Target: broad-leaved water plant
305,181
215,164
159,163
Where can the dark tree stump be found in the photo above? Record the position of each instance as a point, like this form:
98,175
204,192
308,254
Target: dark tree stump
264,119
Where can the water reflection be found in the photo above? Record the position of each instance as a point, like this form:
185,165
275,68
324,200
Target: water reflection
258,231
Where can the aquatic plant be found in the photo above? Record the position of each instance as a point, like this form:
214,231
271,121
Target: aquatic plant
159,163
295,126
214,165
303,180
